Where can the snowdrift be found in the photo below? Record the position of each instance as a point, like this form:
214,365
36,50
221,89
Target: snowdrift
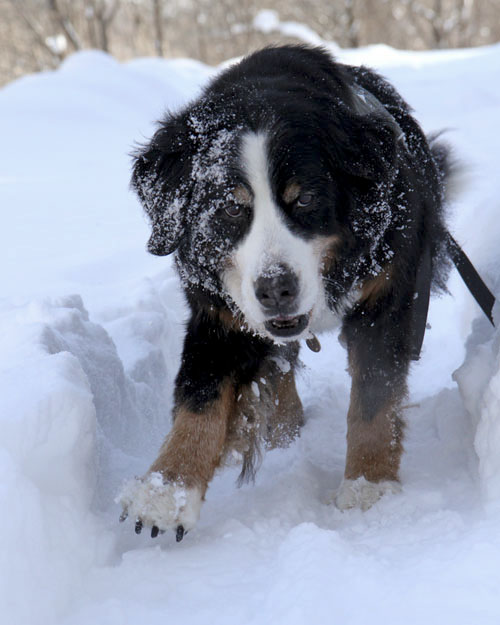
91,336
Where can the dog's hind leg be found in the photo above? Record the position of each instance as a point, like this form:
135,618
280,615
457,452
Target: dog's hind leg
287,417
268,410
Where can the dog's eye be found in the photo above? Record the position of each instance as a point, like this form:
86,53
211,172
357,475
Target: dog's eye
238,201
233,210
304,199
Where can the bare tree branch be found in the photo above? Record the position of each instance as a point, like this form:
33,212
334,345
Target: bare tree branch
158,27
36,31
32,31
65,24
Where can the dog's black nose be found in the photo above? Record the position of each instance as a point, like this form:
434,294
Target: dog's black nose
277,290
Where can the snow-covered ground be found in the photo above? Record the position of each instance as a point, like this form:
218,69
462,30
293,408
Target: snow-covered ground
91,332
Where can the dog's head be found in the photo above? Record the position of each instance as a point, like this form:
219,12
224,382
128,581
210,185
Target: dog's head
261,194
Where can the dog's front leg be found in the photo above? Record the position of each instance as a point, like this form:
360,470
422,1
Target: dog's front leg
170,495
378,342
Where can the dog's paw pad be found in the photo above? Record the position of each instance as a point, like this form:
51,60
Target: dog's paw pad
153,503
363,494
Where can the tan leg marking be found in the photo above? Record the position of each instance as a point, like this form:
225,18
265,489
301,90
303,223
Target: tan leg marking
194,447
374,446
171,493
269,409
287,418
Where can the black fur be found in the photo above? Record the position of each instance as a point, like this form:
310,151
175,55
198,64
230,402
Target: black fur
213,353
377,184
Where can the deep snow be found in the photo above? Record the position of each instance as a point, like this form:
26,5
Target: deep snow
91,333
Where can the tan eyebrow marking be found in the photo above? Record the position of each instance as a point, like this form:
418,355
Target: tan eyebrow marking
242,195
291,192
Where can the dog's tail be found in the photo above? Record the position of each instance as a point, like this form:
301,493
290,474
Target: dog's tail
450,179
450,171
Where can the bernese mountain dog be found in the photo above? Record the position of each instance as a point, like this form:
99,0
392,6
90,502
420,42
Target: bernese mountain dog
298,194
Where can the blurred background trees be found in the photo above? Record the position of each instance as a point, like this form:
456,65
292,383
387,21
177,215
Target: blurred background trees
39,34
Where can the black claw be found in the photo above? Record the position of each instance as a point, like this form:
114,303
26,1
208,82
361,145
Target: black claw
154,531
123,516
138,526
179,534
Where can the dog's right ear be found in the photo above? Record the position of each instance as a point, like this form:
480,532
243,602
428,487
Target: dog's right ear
160,176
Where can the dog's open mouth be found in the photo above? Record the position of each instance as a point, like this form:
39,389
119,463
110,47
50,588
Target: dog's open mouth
287,326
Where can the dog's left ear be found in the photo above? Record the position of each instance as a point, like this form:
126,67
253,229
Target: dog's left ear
365,146
160,179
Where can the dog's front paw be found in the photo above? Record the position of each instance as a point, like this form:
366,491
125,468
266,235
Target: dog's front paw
159,505
363,494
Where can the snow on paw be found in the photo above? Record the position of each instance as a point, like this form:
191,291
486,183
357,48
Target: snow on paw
362,494
159,505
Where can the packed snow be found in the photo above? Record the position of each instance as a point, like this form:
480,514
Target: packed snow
92,329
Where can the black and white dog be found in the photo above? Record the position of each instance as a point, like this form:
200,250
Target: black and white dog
298,194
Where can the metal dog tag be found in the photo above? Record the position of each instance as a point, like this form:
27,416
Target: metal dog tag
313,344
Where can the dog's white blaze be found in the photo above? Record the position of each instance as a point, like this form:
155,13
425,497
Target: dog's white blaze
268,243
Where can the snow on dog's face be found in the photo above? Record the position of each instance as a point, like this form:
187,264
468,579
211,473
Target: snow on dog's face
249,224
274,205
240,226
274,272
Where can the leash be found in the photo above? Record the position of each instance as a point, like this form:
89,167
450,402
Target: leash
473,281
421,302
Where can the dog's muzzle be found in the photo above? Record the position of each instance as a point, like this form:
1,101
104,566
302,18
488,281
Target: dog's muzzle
277,291
287,326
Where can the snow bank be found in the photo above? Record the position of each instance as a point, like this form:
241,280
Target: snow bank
479,382
72,412
72,406
47,457
86,383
